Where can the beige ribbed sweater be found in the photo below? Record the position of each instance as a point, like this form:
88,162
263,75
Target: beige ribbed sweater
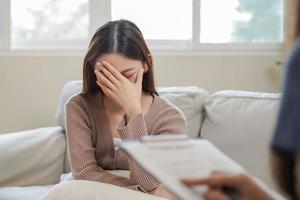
91,146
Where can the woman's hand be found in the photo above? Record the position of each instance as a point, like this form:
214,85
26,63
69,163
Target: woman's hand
164,193
246,188
119,89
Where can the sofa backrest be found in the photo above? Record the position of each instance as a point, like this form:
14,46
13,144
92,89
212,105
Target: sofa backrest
189,100
241,124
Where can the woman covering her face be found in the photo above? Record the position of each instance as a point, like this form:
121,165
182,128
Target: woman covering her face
118,101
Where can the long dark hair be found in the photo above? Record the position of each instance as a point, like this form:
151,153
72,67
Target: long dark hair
122,37
283,162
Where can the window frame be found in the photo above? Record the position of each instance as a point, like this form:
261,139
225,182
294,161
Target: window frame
160,47
5,25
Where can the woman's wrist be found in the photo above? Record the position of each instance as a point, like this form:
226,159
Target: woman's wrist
134,111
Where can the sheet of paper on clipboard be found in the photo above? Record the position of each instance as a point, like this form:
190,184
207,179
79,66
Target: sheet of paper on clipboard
172,157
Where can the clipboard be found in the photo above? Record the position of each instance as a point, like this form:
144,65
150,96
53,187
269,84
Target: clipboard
169,158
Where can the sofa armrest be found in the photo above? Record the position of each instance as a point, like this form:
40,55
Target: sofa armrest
32,157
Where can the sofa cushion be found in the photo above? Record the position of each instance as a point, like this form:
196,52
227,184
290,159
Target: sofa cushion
24,193
188,99
33,157
86,190
241,125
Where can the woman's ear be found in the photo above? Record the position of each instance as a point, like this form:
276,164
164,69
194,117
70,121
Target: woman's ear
145,67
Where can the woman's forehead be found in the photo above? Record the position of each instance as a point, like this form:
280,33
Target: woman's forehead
120,62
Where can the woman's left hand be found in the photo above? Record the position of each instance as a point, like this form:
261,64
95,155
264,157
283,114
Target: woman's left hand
164,193
119,89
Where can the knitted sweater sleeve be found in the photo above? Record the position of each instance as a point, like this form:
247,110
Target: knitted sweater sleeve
166,119
81,151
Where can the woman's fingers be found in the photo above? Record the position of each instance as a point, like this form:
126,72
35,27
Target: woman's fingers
109,76
113,71
214,181
103,80
108,92
100,67
215,195
139,78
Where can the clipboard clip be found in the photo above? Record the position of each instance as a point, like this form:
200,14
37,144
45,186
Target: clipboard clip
180,141
164,138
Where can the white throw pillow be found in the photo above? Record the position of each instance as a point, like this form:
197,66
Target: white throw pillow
190,101
70,89
90,190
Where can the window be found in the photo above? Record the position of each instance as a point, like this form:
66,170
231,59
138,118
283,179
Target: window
49,22
4,25
1,16
241,21
157,22
188,25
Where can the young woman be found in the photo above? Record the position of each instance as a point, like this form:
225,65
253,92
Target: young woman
118,100
285,144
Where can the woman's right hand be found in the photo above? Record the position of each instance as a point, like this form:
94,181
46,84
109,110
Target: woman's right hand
246,188
120,89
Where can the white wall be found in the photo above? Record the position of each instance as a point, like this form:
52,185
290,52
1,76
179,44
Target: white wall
30,85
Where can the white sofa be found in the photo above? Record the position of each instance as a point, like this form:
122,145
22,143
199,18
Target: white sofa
239,123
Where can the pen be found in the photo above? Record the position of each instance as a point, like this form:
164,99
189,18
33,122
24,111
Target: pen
230,192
